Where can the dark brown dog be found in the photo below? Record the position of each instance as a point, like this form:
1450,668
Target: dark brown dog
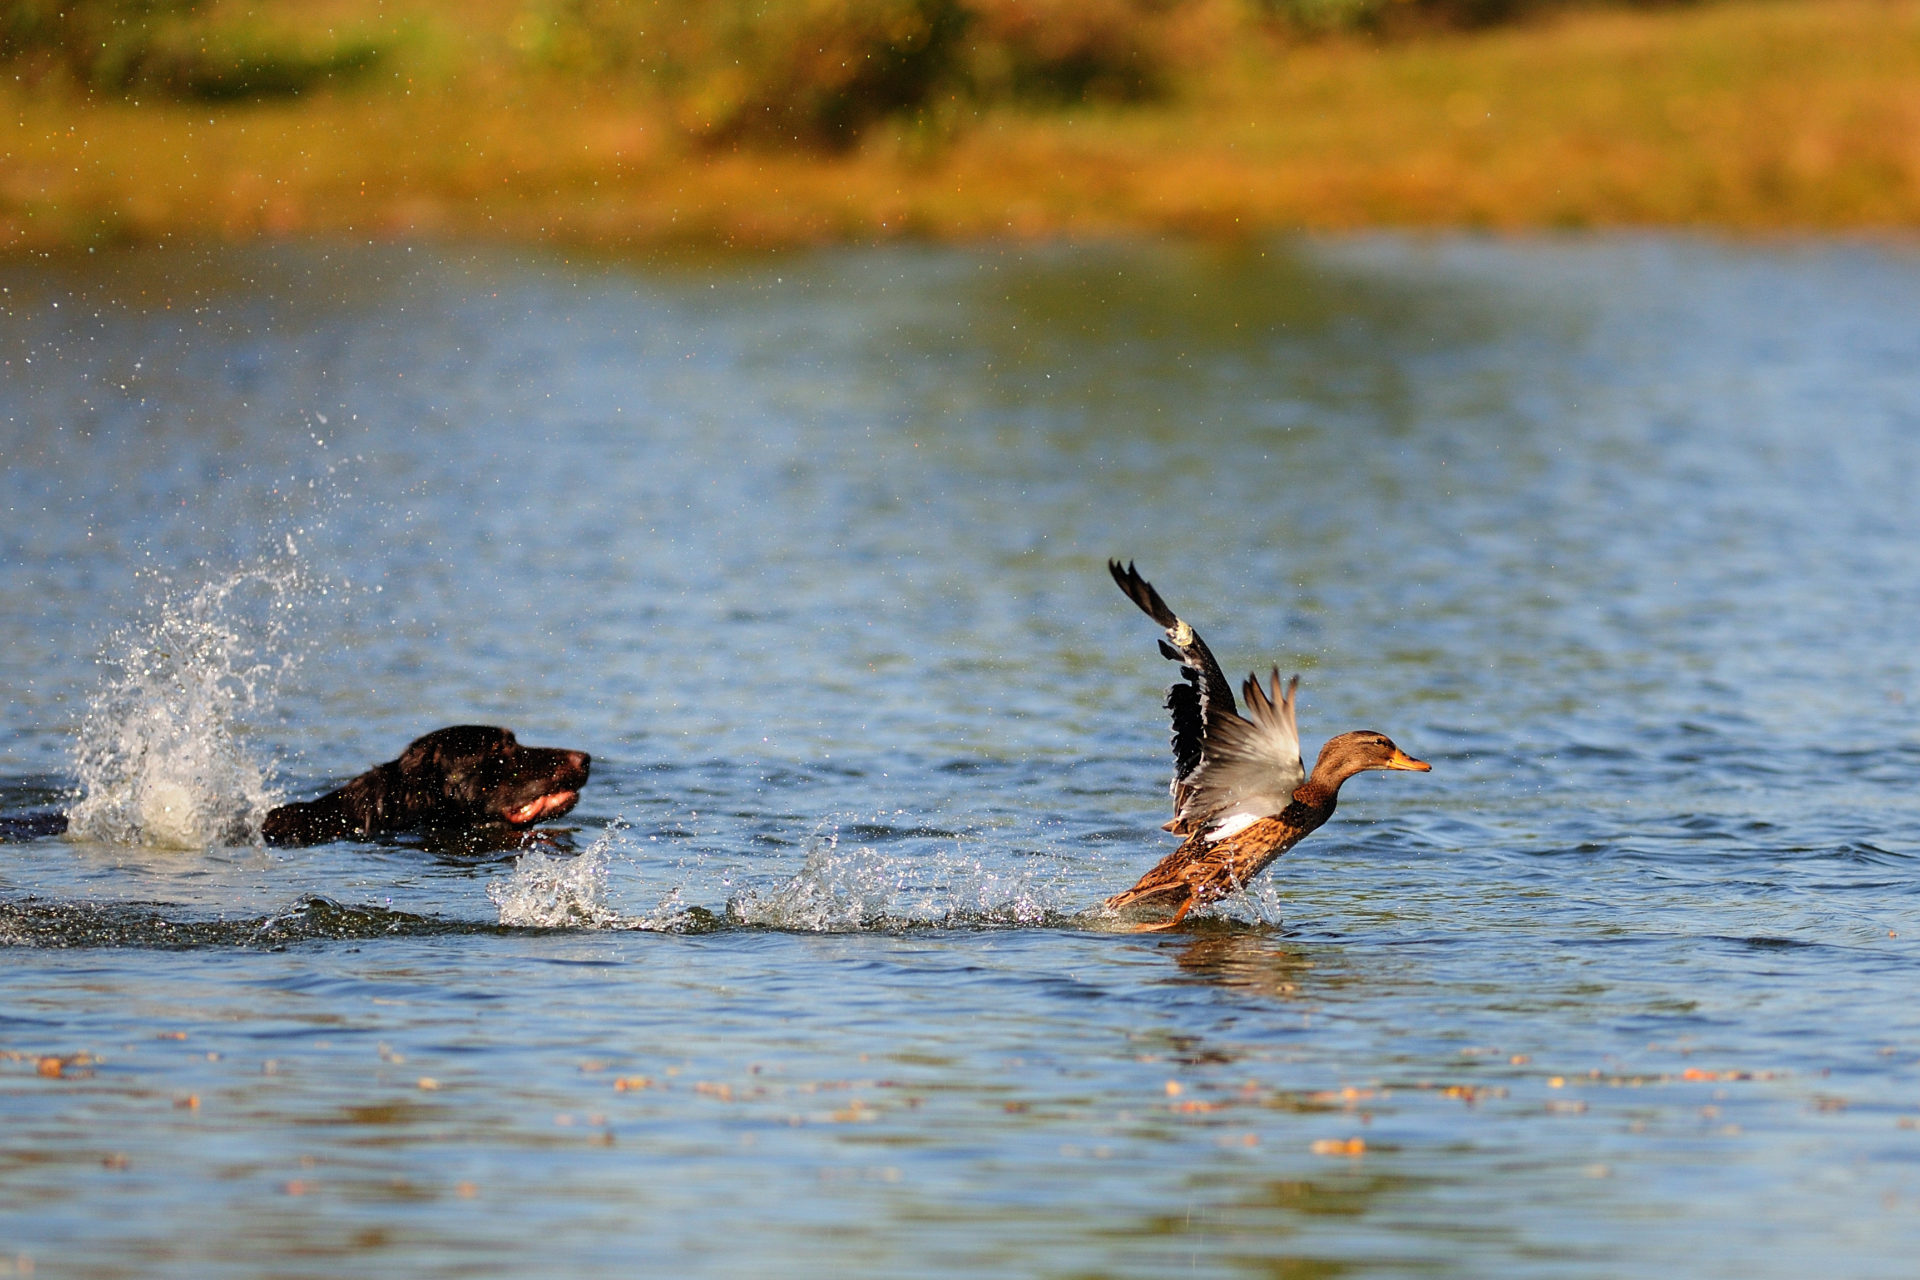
466,776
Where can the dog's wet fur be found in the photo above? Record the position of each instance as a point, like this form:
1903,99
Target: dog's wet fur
469,775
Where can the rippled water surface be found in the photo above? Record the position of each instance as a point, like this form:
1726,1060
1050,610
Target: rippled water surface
1622,535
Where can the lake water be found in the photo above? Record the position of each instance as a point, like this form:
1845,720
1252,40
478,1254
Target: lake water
1622,534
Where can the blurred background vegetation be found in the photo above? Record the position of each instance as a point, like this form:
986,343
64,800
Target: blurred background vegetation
811,72
549,117
178,48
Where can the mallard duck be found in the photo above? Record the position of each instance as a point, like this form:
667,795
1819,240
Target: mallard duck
1240,795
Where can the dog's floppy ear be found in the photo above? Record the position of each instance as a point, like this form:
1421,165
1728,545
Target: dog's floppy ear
420,779
448,774
423,757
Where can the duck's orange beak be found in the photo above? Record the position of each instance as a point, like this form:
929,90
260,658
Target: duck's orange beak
1401,760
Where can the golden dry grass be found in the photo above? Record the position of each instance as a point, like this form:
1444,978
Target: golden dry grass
1751,115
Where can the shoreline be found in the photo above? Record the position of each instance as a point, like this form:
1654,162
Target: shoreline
1745,117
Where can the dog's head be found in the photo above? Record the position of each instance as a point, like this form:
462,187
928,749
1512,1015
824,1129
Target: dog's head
474,773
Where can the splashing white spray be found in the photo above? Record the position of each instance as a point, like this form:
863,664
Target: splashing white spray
553,893
548,892
835,891
158,758
846,890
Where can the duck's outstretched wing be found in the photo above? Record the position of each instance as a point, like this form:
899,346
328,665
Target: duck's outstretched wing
1249,766
1199,701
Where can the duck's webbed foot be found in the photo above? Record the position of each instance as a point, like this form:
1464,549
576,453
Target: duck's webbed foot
1172,920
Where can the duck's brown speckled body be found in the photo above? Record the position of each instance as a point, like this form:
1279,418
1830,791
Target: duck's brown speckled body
1240,795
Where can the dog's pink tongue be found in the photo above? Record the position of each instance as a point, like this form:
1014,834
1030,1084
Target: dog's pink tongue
534,810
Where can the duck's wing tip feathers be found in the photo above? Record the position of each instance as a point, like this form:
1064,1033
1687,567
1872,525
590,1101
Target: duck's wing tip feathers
1141,592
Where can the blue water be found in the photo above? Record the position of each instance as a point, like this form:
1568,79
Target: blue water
1622,534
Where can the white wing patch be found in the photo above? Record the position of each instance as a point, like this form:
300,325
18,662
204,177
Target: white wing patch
1231,826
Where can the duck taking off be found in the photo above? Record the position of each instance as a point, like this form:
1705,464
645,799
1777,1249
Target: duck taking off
1240,795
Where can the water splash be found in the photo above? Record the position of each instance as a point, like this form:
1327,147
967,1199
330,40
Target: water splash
835,891
547,892
159,756
838,891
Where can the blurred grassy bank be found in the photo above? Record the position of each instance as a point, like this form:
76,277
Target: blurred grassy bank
504,121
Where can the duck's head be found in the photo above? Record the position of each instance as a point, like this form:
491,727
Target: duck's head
1356,752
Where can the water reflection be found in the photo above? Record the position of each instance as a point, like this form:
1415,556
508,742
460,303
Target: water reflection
1302,349
1248,958
1299,1226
